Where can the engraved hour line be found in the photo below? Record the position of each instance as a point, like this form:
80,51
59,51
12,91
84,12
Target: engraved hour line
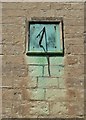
48,60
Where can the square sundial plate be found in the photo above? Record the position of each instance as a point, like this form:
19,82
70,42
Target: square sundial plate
45,38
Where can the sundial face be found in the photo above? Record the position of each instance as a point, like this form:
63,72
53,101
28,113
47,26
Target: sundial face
45,38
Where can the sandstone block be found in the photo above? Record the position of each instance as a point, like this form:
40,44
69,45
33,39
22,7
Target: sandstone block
47,82
7,94
36,60
13,49
74,41
62,83
14,70
13,29
37,94
15,12
75,49
35,71
73,35
73,29
77,6
55,94
13,20
75,82
13,38
13,59
27,6
7,81
57,60
32,82
73,94
42,13
56,71
70,72
71,60
39,108
60,6
58,109
73,22
20,82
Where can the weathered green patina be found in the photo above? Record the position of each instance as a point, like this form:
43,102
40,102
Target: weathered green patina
45,38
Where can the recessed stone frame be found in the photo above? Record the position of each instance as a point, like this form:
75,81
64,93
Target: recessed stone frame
46,20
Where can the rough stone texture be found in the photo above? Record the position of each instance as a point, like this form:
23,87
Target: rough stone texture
35,70
37,94
56,71
27,89
55,94
59,108
39,108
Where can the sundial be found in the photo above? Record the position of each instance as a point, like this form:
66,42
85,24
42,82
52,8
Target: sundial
45,39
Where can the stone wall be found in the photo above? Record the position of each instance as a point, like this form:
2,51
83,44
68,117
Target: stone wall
27,90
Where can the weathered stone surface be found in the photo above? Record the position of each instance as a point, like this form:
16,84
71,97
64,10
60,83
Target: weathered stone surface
75,49
13,20
31,109
15,12
7,94
62,83
74,41
60,6
17,109
13,39
13,49
48,82
36,61
77,14
73,29
67,36
71,60
37,94
73,109
14,70
7,81
77,6
42,13
32,82
19,82
73,22
75,82
39,108
26,5
13,29
13,59
17,94
74,94
55,94
57,60
70,72
6,104
7,113
59,108
35,70
56,71
81,59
